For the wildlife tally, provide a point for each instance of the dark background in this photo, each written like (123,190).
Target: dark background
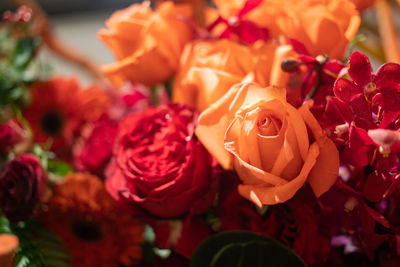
(54,7)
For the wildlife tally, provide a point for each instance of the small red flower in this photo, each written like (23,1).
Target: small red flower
(237,27)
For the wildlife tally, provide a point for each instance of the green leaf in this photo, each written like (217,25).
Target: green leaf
(58,167)
(4,225)
(243,248)
(24,51)
(38,246)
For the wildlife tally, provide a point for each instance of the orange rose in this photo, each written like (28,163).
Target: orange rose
(324,26)
(266,140)
(147,44)
(209,68)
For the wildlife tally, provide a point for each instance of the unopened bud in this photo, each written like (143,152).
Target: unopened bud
(8,16)
(290,65)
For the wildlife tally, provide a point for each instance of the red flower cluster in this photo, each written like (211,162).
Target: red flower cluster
(363,118)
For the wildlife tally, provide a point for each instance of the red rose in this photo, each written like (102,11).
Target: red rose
(93,151)
(22,182)
(159,166)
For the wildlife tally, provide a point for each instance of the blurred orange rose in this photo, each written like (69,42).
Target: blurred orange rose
(209,68)
(266,140)
(146,44)
(324,26)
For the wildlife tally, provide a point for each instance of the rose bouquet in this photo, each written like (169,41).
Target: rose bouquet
(237,133)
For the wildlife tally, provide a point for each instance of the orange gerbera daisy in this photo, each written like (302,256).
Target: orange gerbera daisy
(96,230)
(59,108)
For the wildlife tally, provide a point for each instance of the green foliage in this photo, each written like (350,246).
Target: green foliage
(18,64)
(242,248)
(38,246)
(58,167)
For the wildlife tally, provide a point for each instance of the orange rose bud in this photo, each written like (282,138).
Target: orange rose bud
(323,26)
(266,140)
(209,68)
(146,44)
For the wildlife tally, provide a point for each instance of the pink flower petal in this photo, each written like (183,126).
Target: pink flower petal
(384,137)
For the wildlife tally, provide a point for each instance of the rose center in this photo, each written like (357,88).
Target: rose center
(52,122)
(269,125)
(87,231)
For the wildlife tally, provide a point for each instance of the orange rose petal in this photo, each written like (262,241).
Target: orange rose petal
(278,77)
(137,66)
(300,130)
(255,175)
(251,94)
(284,157)
(212,125)
(270,146)
(120,47)
(247,138)
(326,169)
(215,84)
(270,195)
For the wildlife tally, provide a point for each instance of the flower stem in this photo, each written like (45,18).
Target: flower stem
(387,31)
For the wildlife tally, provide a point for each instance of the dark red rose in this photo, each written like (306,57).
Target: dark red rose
(22,182)
(10,134)
(93,151)
(295,223)
(159,166)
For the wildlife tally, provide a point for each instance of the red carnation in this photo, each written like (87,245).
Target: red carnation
(159,166)
(22,183)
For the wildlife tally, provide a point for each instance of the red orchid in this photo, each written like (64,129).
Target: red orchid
(246,30)
(366,102)
(365,85)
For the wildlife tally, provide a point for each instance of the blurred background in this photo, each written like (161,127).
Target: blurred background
(77,22)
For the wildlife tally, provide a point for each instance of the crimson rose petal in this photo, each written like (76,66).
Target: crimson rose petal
(22,183)
(158,165)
